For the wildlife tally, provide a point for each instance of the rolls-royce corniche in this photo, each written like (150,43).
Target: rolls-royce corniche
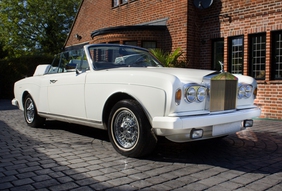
(126,91)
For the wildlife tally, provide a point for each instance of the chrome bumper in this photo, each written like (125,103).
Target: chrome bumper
(15,102)
(178,129)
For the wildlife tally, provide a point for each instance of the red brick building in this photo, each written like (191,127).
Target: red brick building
(245,34)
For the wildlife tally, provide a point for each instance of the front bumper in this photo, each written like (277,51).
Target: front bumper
(178,129)
(15,102)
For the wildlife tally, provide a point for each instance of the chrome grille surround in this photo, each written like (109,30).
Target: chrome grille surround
(222,94)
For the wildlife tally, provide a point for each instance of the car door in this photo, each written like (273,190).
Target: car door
(66,86)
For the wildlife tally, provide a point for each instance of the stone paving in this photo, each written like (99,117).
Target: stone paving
(64,156)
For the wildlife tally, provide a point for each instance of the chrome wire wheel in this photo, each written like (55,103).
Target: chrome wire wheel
(125,129)
(29,110)
(129,129)
(30,113)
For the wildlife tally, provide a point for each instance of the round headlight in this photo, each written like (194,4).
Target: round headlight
(191,94)
(241,92)
(248,91)
(201,94)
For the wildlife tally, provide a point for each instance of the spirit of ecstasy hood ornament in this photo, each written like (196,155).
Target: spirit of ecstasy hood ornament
(221,66)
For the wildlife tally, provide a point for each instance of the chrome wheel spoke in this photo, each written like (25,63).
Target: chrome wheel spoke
(126,129)
(29,111)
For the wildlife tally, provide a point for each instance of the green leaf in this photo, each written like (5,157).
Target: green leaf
(35,26)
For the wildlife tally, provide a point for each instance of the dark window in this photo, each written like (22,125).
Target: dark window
(236,52)
(217,53)
(149,44)
(277,55)
(114,42)
(132,43)
(257,55)
(116,3)
(124,1)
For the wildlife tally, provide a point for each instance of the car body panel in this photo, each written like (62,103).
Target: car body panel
(81,95)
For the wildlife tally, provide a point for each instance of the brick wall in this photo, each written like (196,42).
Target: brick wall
(270,100)
(97,14)
(192,30)
(229,18)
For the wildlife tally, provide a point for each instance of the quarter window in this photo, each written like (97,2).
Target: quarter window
(236,55)
(257,55)
(277,55)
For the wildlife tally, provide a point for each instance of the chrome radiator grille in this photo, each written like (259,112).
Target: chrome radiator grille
(223,92)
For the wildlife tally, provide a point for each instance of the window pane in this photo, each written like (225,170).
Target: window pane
(132,43)
(114,42)
(149,44)
(124,1)
(257,59)
(115,3)
(277,57)
(218,54)
(236,55)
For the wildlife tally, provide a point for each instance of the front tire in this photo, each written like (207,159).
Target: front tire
(30,113)
(129,129)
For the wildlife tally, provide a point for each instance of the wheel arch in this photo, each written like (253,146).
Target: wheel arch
(25,93)
(111,101)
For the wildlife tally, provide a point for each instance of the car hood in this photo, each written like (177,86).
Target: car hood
(183,74)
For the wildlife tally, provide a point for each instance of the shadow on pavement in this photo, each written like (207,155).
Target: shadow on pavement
(63,156)
(260,155)
(247,151)
(26,167)
(6,104)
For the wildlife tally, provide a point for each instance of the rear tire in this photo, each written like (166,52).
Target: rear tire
(30,113)
(129,129)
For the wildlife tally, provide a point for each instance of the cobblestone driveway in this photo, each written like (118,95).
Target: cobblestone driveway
(63,156)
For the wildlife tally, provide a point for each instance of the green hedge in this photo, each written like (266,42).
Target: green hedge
(12,70)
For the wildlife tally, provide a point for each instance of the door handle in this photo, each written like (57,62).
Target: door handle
(53,81)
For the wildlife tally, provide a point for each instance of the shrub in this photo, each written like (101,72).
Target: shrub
(169,59)
(14,69)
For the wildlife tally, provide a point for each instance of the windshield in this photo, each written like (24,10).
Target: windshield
(113,56)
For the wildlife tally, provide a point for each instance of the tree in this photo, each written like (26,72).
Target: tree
(35,26)
(3,53)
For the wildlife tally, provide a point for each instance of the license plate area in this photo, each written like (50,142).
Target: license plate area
(227,128)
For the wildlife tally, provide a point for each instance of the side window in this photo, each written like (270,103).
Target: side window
(55,64)
(69,61)
(82,64)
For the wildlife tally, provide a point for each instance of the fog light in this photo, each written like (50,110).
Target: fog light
(196,133)
(248,123)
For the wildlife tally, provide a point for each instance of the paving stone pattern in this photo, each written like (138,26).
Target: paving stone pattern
(62,156)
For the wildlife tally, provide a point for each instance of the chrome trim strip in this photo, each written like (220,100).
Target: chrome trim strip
(189,113)
(80,121)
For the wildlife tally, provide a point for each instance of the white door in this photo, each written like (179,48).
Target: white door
(66,94)
(66,84)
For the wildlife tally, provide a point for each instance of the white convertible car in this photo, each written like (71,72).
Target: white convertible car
(126,91)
